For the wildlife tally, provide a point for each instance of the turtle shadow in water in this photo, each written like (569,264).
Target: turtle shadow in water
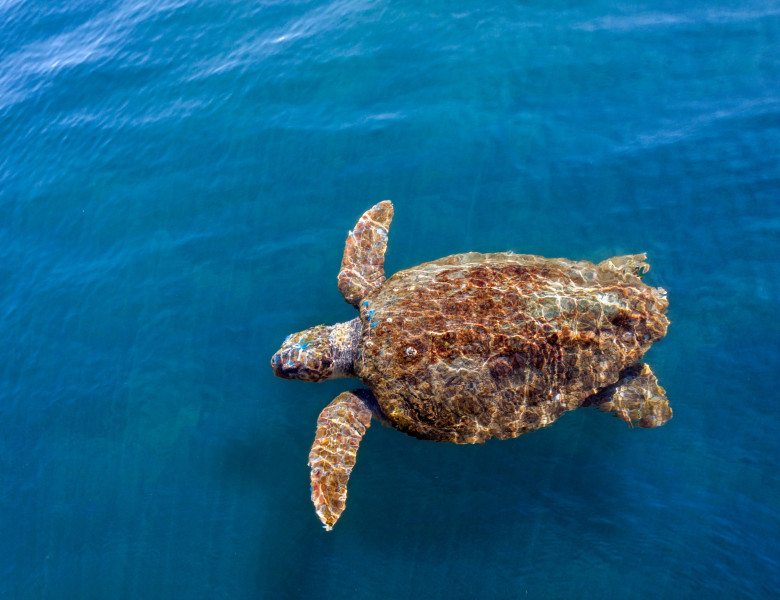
(430,507)
(493,491)
(244,462)
(258,465)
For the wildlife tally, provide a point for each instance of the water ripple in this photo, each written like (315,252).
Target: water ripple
(662,20)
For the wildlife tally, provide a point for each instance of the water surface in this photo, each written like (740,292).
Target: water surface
(176,183)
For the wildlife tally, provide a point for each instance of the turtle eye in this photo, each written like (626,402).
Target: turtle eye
(284,367)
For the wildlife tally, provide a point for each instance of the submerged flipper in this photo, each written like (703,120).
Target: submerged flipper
(363,265)
(340,427)
(636,398)
(631,263)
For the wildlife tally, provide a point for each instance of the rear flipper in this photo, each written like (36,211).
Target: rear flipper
(631,263)
(636,398)
(340,427)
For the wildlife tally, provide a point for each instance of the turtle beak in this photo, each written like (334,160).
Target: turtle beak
(283,367)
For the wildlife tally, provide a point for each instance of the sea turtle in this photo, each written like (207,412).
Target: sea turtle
(474,346)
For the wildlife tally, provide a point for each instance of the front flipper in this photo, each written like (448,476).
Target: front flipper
(363,265)
(340,427)
(636,398)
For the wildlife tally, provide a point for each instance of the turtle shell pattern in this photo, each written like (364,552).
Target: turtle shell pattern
(475,346)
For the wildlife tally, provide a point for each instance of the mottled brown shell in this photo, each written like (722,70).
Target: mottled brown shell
(475,346)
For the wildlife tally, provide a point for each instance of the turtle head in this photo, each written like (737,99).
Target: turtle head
(319,353)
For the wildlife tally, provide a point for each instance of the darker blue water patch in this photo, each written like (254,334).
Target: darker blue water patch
(176,184)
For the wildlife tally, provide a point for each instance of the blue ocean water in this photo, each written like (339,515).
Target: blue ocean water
(176,183)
